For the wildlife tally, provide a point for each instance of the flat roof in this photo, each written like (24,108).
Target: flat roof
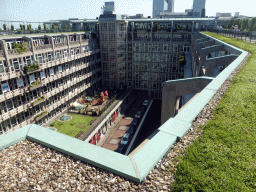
(37,35)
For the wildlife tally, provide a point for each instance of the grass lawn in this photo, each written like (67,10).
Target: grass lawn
(223,158)
(74,126)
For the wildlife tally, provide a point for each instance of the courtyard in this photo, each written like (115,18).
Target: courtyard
(77,124)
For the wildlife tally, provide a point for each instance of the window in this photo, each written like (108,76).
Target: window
(163,67)
(146,47)
(136,47)
(40,58)
(146,57)
(153,85)
(155,57)
(136,75)
(174,59)
(165,47)
(2,66)
(159,47)
(136,56)
(144,66)
(57,53)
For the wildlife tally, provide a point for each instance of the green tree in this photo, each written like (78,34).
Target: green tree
(4,26)
(28,27)
(246,25)
(252,26)
(58,25)
(12,27)
(239,24)
(21,27)
(66,27)
(53,27)
(45,27)
(24,27)
(231,23)
(39,27)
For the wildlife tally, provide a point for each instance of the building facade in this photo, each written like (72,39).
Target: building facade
(41,81)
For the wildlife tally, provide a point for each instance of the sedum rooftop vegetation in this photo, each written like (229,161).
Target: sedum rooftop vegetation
(223,158)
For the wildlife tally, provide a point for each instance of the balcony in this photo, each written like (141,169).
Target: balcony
(42,47)
(38,101)
(1,53)
(35,85)
(19,49)
(41,115)
(84,41)
(73,43)
(60,45)
(32,68)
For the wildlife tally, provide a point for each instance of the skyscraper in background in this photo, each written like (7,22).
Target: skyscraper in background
(160,6)
(171,6)
(199,8)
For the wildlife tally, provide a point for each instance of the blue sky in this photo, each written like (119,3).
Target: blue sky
(44,10)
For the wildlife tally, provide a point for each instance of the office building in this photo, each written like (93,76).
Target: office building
(117,53)
(199,8)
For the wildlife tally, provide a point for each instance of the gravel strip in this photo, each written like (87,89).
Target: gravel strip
(28,166)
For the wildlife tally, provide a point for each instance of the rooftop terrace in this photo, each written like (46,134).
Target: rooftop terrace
(138,166)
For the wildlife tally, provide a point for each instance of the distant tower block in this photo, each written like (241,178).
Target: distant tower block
(171,6)
(199,8)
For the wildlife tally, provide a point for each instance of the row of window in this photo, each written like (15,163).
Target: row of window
(155,57)
(153,76)
(175,48)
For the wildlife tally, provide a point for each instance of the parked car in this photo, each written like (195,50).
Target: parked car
(145,103)
(134,122)
(125,139)
(130,130)
(138,115)
(143,108)
(120,149)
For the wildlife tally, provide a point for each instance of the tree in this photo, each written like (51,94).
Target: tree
(253,22)
(231,23)
(53,27)
(66,27)
(12,27)
(24,27)
(239,24)
(21,27)
(39,27)
(45,27)
(246,25)
(58,25)
(4,26)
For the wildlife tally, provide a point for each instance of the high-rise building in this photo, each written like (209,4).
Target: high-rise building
(171,6)
(199,8)
(159,6)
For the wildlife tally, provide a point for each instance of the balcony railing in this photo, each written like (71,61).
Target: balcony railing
(74,43)
(41,47)
(60,45)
